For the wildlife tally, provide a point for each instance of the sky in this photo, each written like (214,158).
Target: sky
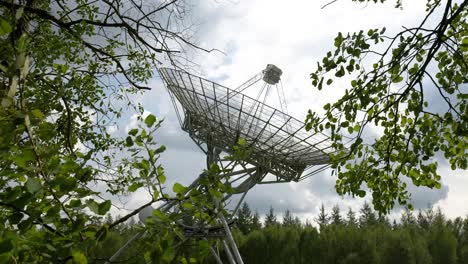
(293,35)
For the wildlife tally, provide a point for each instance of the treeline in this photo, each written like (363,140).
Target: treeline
(333,236)
(353,237)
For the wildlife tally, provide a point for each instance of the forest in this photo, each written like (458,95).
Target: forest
(424,236)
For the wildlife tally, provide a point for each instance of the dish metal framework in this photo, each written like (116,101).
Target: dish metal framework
(217,117)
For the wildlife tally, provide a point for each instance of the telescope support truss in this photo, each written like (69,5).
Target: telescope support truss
(216,118)
(241,176)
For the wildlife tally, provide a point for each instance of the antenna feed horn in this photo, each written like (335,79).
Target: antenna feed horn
(272,74)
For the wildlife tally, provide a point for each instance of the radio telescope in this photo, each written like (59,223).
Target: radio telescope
(217,117)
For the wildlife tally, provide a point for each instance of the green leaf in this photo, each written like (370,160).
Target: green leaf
(414,69)
(38,114)
(5,27)
(138,141)
(79,258)
(75,203)
(67,184)
(104,207)
(188,205)
(6,245)
(133,132)
(155,194)
(26,156)
(93,206)
(15,218)
(150,120)
(340,72)
(464,45)
(145,164)
(160,215)
(160,149)
(397,78)
(215,193)
(25,225)
(241,142)
(33,185)
(357,128)
(134,187)
(128,141)
(19,13)
(168,254)
(161,178)
(178,188)
(101,234)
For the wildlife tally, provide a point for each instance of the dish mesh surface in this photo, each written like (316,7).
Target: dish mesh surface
(216,114)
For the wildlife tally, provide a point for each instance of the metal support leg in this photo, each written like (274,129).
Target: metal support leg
(231,239)
(215,255)
(124,247)
(228,252)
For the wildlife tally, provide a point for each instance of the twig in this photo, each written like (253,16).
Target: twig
(329,3)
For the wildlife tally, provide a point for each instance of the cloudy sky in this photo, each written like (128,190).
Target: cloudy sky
(292,35)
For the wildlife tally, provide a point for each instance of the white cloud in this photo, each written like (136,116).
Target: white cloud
(133,122)
(293,35)
(112,129)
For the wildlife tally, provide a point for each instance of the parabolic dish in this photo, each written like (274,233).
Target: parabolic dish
(220,116)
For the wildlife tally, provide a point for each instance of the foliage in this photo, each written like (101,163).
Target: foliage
(367,215)
(377,243)
(442,241)
(322,219)
(270,218)
(335,216)
(68,72)
(410,87)
(351,216)
(244,218)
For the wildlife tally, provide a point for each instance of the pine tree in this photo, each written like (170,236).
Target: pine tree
(270,219)
(439,217)
(322,218)
(288,218)
(367,216)
(256,225)
(335,216)
(297,222)
(422,221)
(383,220)
(351,217)
(244,218)
(430,214)
(463,243)
(407,218)
(442,243)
